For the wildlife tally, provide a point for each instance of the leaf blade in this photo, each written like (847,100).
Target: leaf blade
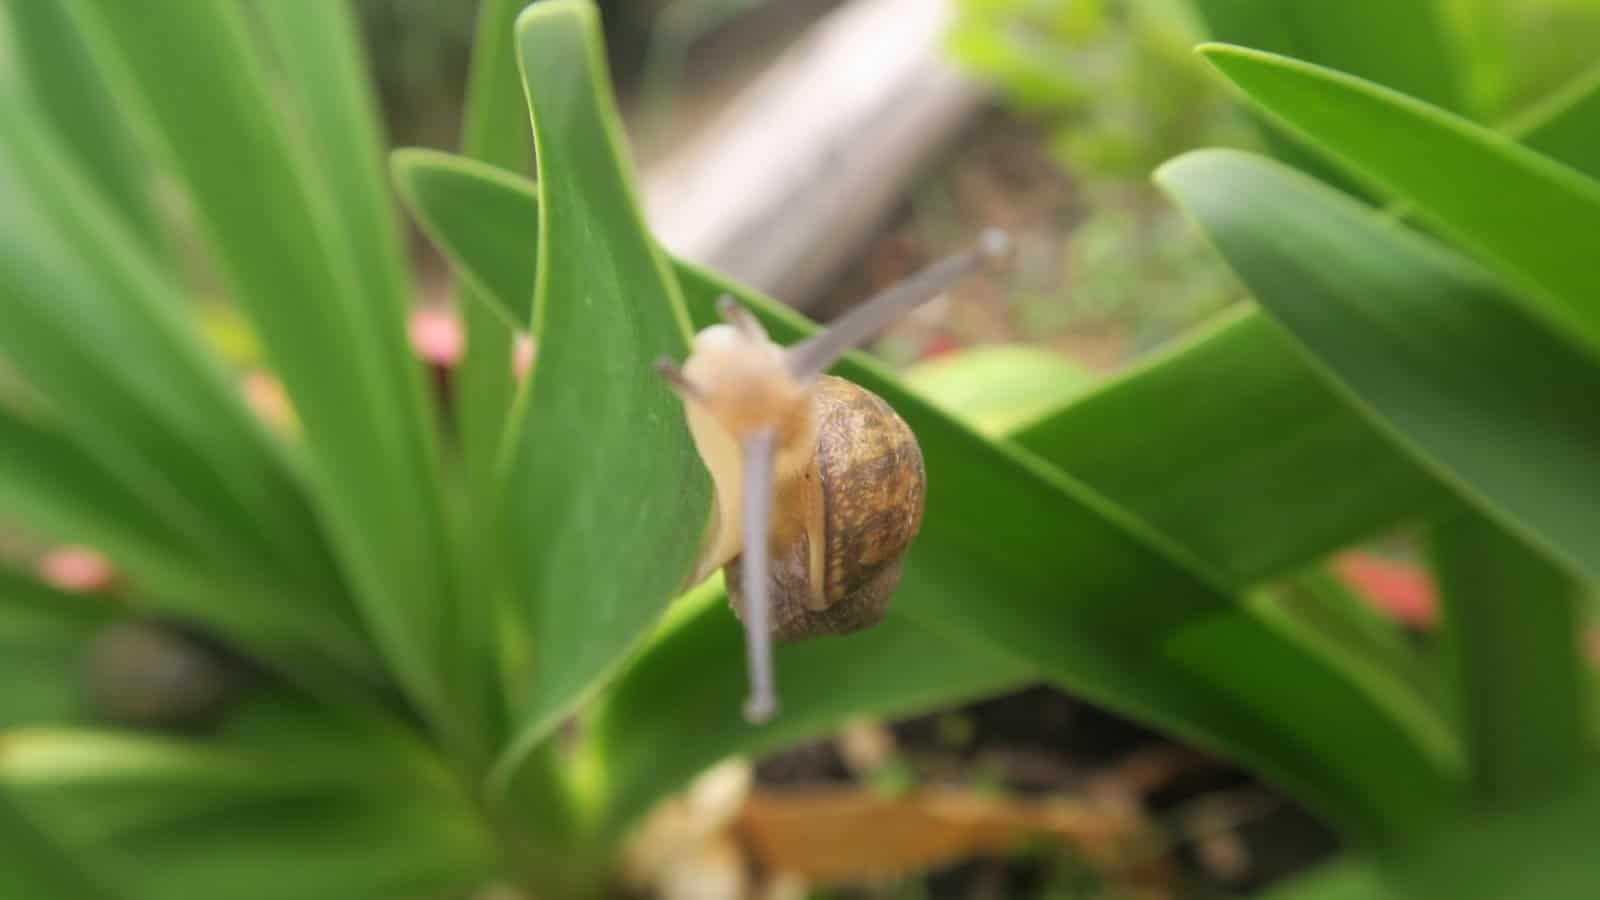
(1420,337)
(1356,123)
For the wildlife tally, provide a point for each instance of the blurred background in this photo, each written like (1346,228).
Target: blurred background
(1045,117)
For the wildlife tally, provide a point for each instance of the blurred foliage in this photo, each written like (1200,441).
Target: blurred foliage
(1116,88)
(419,631)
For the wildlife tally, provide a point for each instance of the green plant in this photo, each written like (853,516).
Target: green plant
(429,611)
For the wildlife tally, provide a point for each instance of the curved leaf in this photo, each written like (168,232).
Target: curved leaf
(69,93)
(1421,338)
(1404,46)
(1513,620)
(1532,219)
(217,816)
(341,351)
(1211,441)
(1566,126)
(125,388)
(604,495)
(43,637)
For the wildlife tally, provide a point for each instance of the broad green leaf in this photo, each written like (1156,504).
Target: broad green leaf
(1345,879)
(126,388)
(1543,848)
(33,866)
(68,94)
(998,389)
(43,636)
(1211,441)
(341,351)
(604,495)
(1566,126)
(676,710)
(169,816)
(1513,619)
(1530,218)
(1403,46)
(1091,637)
(1421,338)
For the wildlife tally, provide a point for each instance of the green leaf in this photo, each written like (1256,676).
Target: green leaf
(1062,619)
(169,816)
(1421,338)
(605,497)
(676,710)
(1513,619)
(484,219)
(1532,219)
(1210,441)
(494,129)
(998,389)
(1345,879)
(1566,125)
(1403,46)
(330,107)
(43,636)
(69,94)
(340,350)
(32,865)
(125,397)
(1319,602)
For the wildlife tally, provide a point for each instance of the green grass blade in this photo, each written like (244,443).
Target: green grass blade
(342,353)
(1513,620)
(68,92)
(1476,186)
(43,634)
(1421,338)
(605,497)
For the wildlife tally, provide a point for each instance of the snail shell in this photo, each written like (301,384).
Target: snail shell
(860,503)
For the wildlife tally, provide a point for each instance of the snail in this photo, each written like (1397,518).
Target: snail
(819,484)
(153,674)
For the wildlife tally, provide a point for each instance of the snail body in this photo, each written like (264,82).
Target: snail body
(819,484)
